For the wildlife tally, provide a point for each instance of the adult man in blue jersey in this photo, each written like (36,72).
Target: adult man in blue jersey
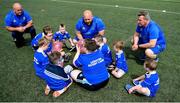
(88,26)
(19,22)
(148,36)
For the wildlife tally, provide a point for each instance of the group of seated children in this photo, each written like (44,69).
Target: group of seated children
(93,57)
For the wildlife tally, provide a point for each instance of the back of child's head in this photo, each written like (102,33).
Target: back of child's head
(54,57)
(151,64)
(90,45)
(99,38)
(118,44)
(42,41)
(47,29)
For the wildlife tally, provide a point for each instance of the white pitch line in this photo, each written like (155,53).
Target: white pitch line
(122,7)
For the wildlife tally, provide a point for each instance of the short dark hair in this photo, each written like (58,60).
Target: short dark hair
(47,29)
(90,45)
(151,64)
(54,56)
(145,14)
(119,44)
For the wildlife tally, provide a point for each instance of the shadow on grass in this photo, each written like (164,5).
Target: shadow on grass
(133,55)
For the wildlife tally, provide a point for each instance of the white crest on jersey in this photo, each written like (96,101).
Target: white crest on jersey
(14,20)
(83,28)
(24,18)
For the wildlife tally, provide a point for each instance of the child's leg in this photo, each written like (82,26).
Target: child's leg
(47,90)
(144,91)
(118,73)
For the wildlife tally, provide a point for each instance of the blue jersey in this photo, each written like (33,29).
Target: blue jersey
(151,82)
(61,36)
(89,31)
(13,20)
(151,31)
(121,61)
(36,39)
(40,62)
(106,53)
(55,77)
(93,67)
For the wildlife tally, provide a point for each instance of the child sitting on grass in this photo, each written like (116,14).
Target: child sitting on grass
(120,64)
(147,84)
(56,77)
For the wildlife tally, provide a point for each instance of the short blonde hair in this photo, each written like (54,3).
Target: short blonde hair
(118,44)
(151,64)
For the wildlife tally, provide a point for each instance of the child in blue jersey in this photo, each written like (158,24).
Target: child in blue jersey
(56,77)
(63,36)
(41,58)
(104,48)
(93,74)
(121,67)
(47,33)
(147,84)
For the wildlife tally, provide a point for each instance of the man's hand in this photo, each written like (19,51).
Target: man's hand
(134,47)
(20,29)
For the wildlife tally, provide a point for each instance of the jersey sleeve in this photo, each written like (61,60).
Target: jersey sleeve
(100,24)
(77,62)
(153,32)
(28,17)
(8,21)
(119,62)
(55,37)
(68,35)
(146,82)
(78,25)
(138,29)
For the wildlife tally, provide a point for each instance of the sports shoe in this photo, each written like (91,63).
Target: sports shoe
(136,82)
(127,87)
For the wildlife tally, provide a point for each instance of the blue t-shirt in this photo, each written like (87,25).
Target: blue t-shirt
(89,31)
(151,82)
(106,53)
(36,39)
(151,31)
(121,61)
(55,77)
(40,62)
(13,20)
(93,67)
(61,36)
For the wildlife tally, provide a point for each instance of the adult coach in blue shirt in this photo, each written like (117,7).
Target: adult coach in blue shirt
(19,22)
(88,26)
(148,36)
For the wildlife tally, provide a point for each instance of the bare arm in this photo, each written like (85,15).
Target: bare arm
(151,44)
(19,29)
(102,32)
(139,78)
(29,24)
(76,55)
(135,41)
(79,35)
